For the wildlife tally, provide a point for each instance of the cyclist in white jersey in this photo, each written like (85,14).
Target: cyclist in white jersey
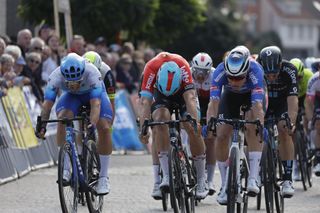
(202,72)
(81,84)
(312,107)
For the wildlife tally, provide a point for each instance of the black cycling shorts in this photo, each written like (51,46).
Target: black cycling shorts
(277,107)
(173,102)
(230,103)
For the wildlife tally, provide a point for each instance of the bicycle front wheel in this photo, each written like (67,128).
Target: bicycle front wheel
(91,170)
(232,189)
(68,190)
(177,196)
(268,177)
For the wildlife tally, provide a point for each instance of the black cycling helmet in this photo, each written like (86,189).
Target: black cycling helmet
(270,58)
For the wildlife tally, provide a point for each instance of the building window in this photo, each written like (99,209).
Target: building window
(310,31)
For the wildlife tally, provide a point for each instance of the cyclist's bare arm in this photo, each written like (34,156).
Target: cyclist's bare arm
(190,99)
(292,108)
(145,109)
(212,108)
(46,109)
(257,111)
(95,105)
(309,107)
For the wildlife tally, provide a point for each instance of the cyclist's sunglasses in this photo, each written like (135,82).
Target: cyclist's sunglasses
(236,78)
(73,83)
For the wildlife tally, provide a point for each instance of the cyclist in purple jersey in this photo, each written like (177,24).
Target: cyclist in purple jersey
(237,81)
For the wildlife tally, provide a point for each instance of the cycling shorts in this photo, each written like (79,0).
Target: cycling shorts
(73,102)
(277,107)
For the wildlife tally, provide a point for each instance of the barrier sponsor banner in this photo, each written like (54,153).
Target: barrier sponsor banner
(18,117)
(125,132)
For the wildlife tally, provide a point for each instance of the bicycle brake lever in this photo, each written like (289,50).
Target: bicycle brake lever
(144,129)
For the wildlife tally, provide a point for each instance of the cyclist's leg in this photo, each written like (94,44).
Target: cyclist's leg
(317,140)
(156,192)
(286,150)
(228,108)
(104,147)
(65,109)
(161,140)
(254,146)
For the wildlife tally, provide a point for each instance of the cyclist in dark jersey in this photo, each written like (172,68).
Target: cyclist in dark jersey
(281,78)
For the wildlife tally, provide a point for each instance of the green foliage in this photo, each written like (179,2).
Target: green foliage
(215,36)
(174,19)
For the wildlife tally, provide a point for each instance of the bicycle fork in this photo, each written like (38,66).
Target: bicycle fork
(76,167)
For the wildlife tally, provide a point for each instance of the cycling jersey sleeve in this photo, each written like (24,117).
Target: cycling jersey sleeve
(256,76)
(54,83)
(96,92)
(291,71)
(311,90)
(218,80)
(110,83)
(148,80)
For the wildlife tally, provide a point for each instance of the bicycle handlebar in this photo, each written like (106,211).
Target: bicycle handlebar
(235,123)
(147,123)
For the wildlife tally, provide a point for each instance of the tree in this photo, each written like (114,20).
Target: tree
(95,18)
(158,22)
(215,36)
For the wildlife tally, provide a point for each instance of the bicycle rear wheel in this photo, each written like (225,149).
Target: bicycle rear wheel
(91,170)
(268,177)
(68,191)
(190,188)
(301,159)
(177,196)
(278,171)
(232,189)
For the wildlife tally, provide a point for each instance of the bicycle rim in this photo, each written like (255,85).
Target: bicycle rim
(164,201)
(68,192)
(176,190)
(279,200)
(232,182)
(190,187)
(268,177)
(302,162)
(91,170)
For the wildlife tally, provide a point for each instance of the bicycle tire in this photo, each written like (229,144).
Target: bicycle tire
(91,171)
(259,199)
(279,200)
(66,205)
(190,187)
(268,177)
(301,158)
(175,177)
(244,174)
(232,189)
(164,201)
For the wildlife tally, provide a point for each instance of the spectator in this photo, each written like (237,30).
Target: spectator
(33,62)
(36,45)
(2,46)
(45,31)
(54,43)
(128,48)
(101,45)
(7,62)
(90,47)
(137,65)
(149,54)
(48,64)
(77,45)
(14,51)
(23,40)
(124,78)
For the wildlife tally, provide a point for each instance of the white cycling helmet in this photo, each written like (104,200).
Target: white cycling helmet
(93,58)
(201,65)
(237,61)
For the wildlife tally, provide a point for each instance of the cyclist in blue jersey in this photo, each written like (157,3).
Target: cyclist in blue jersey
(237,81)
(81,84)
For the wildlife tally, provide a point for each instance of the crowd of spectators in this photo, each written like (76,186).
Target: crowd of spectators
(30,60)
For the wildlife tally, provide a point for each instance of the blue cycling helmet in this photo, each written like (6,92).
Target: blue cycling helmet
(169,78)
(72,67)
(237,62)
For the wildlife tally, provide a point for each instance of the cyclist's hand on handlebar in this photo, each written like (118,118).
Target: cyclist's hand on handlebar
(40,129)
(204,131)
(144,138)
(91,128)
(41,133)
